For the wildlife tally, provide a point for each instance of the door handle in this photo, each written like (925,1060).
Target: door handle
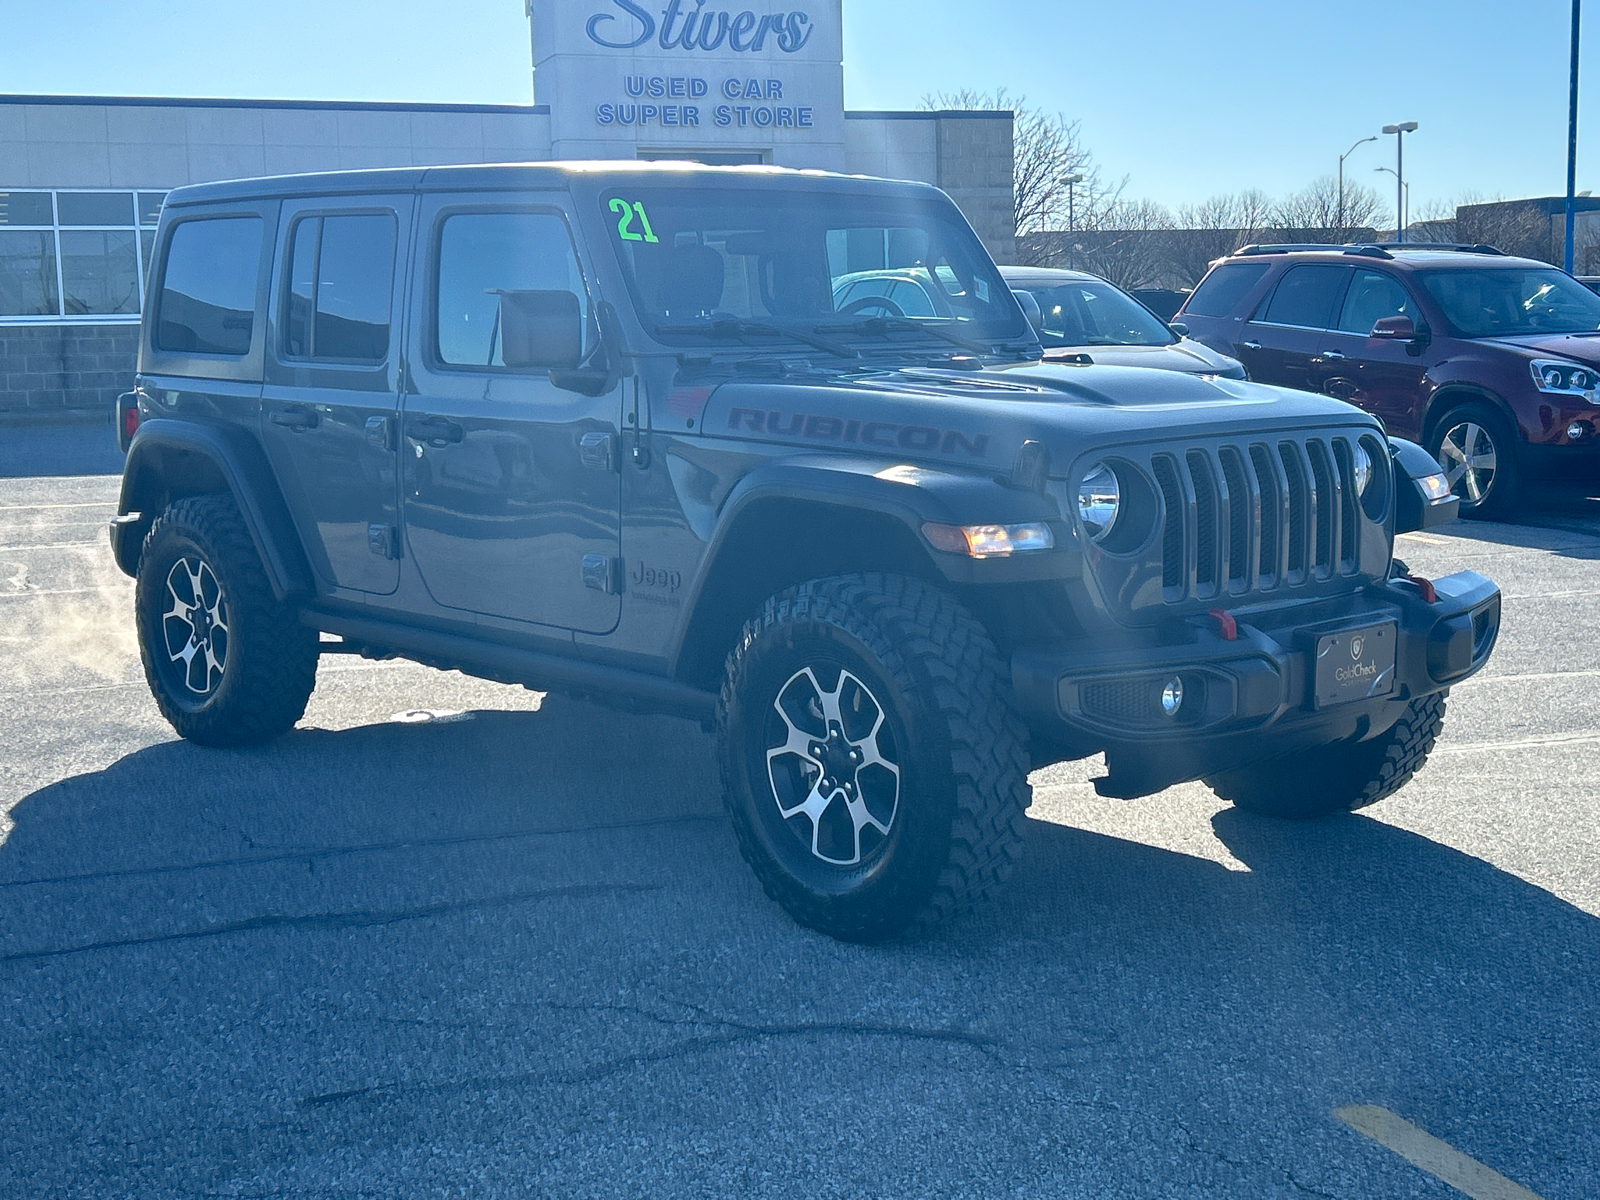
(1335,355)
(380,433)
(597,450)
(1249,345)
(296,418)
(435,431)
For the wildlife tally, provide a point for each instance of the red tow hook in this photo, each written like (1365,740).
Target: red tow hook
(1227,627)
(1425,586)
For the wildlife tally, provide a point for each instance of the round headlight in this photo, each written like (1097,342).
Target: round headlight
(1581,381)
(1363,469)
(1098,500)
(1553,378)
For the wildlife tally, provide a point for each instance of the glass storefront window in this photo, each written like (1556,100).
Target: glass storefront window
(28,273)
(75,255)
(99,272)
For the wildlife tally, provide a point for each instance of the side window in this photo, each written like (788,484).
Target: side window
(1305,296)
(1219,292)
(1373,296)
(341,280)
(483,256)
(208,290)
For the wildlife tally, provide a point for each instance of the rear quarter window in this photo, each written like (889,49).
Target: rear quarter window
(207,302)
(1221,291)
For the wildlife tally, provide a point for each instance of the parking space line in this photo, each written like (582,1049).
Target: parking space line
(53,546)
(1529,676)
(1427,1153)
(1530,743)
(84,504)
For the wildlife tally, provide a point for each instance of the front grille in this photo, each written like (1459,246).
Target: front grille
(1250,517)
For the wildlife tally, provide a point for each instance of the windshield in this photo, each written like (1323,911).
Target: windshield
(1095,313)
(1508,302)
(764,265)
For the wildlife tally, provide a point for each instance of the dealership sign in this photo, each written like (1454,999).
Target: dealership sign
(623,75)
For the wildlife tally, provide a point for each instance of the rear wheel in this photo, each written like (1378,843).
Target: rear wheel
(1478,450)
(873,766)
(1333,779)
(227,662)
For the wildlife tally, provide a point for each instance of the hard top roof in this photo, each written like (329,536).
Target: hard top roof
(496,176)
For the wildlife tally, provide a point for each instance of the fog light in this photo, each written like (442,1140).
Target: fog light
(1577,431)
(1172,696)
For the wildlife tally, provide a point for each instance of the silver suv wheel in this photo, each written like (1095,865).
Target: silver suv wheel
(195,625)
(1469,459)
(835,766)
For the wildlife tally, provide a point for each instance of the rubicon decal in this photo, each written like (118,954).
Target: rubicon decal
(886,435)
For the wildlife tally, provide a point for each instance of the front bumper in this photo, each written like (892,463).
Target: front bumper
(1256,690)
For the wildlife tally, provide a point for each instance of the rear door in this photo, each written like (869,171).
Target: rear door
(511,493)
(331,385)
(1282,342)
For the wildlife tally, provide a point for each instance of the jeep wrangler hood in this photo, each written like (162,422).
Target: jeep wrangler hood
(981,418)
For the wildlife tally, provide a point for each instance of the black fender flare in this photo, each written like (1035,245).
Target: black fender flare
(906,494)
(164,462)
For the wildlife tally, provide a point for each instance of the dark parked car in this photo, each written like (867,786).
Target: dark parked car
(1084,316)
(602,429)
(1492,362)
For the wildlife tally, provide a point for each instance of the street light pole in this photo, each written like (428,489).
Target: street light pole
(1400,132)
(1405,211)
(1572,141)
(1071,181)
(1344,156)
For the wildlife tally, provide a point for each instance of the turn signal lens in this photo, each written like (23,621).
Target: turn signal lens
(1434,487)
(989,541)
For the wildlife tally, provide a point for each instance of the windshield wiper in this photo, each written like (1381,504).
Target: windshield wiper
(882,325)
(739,327)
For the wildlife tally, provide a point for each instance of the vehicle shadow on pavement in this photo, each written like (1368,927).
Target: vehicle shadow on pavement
(519,953)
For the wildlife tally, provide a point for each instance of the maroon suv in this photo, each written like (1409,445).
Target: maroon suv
(1491,362)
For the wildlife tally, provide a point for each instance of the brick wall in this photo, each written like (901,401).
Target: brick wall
(65,369)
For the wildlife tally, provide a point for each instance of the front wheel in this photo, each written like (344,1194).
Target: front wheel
(1335,779)
(227,662)
(871,761)
(1478,450)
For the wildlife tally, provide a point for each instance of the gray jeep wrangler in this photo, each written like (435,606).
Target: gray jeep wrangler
(620,430)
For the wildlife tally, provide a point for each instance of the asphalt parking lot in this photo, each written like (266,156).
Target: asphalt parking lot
(454,938)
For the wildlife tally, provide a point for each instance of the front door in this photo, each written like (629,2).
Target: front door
(1382,376)
(511,495)
(330,383)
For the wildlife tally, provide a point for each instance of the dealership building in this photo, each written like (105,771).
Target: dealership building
(82,178)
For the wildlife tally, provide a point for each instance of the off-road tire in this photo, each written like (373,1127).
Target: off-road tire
(1306,785)
(270,663)
(945,693)
(1505,489)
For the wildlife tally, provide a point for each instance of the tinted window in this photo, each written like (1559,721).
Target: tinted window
(1305,296)
(1219,293)
(208,292)
(341,279)
(25,208)
(27,273)
(95,208)
(1373,296)
(481,256)
(1511,301)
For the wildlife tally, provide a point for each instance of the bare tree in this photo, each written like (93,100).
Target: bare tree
(1318,212)
(1046,150)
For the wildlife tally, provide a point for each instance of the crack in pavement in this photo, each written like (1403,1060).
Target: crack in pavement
(355,919)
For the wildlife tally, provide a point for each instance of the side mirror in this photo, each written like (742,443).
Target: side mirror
(541,329)
(1179,329)
(1031,310)
(1394,329)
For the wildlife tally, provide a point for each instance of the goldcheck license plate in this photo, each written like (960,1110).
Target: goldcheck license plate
(1355,664)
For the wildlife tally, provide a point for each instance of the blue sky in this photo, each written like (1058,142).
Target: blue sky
(1186,98)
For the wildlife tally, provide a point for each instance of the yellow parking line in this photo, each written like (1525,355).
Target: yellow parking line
(1426,1152)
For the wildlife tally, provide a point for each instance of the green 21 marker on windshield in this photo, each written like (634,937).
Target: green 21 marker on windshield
(626,213)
